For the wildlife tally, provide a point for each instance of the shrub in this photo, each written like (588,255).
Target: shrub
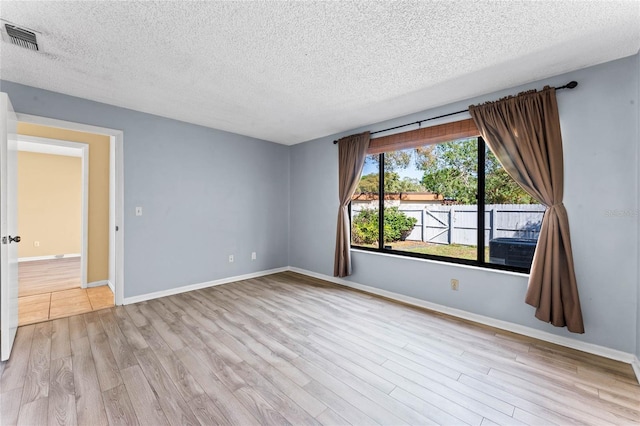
(364,226)
(397,226)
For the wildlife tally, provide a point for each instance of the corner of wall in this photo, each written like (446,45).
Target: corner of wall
(289,149)
(637,362)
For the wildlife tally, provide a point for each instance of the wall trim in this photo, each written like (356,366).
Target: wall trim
(481,319)
(111,286)
(98,283)
(41,145)
(444,263)
(191,287)
(635,364)
(48,257)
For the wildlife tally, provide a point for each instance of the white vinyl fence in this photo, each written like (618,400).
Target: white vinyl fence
(458,224)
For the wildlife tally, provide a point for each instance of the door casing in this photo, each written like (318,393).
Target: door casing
(9,228)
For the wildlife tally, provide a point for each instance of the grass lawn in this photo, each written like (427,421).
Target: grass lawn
(447,250)
(451,250)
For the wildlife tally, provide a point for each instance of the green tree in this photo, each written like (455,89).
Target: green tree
(451,170)
(369,184)
(392,160)
(500,188)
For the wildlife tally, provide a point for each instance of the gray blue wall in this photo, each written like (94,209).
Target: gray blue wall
(205,194)
(599,122)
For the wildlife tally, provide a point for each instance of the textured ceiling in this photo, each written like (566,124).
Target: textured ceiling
(293,71)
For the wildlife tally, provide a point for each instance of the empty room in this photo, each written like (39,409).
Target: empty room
(337,213)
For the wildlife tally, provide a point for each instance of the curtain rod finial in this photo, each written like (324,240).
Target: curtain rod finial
(570,85)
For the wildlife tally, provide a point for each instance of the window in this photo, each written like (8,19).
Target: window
(424,198)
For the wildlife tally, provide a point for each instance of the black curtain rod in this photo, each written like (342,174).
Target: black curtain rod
(570,85)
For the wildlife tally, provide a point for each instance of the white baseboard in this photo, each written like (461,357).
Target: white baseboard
(48,257)
(98,283)
(191,287)
(110,284)
(636,367)
(503,325)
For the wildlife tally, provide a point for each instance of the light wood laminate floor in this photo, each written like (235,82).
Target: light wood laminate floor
(50,275)
(288,349)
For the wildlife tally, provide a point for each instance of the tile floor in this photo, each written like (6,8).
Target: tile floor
(60,304)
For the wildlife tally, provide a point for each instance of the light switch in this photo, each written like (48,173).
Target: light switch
(138,211)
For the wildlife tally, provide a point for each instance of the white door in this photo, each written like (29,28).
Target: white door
(8,227)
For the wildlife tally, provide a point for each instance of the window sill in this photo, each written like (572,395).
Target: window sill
(440,262)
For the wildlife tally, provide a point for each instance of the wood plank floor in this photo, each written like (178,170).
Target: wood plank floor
(50,275)
(288,349)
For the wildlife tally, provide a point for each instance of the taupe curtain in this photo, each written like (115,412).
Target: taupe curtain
(352,151)
(524,134)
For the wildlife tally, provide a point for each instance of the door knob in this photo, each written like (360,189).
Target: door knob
(15,239)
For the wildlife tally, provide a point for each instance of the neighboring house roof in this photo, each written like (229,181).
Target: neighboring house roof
(402,196)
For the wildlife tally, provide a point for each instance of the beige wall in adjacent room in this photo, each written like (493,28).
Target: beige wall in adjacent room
(98,249)
(49,204)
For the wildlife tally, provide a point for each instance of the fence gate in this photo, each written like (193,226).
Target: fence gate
(436,226)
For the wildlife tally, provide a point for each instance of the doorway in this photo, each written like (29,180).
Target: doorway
(8,214)
(53,207)
(98,273)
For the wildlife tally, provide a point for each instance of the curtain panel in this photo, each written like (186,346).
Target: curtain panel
(352,151)
(524,134)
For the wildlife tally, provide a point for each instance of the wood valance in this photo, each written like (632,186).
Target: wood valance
(424,136)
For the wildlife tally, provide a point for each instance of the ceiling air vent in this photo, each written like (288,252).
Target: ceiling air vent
(21,37)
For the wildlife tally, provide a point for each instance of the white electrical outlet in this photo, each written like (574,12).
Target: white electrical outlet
(253,256)
(230,258)
(138,211)
(36,243)
(455,284)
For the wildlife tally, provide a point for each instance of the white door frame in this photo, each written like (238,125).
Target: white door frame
(116,193)
(76,149)
(8,216)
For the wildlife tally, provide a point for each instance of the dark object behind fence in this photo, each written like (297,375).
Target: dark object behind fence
(512,251)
